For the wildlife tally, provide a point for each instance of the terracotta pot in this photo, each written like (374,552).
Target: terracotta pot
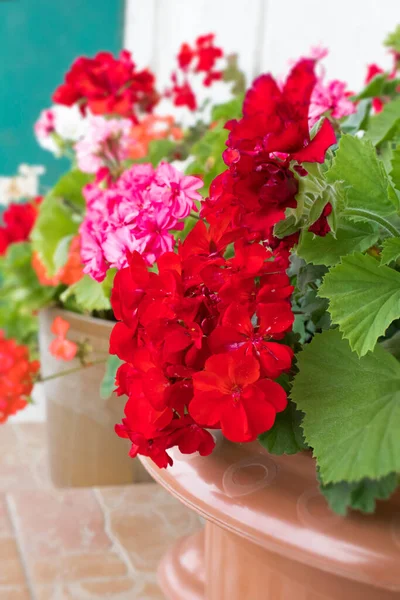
(83,447)
(270,534)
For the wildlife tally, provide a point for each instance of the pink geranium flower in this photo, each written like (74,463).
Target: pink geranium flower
(138,212)
(106,143)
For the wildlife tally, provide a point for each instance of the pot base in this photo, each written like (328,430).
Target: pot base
(181,573)
(217,565)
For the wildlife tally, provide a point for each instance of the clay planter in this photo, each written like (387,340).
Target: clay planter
(83,447)
(270,535)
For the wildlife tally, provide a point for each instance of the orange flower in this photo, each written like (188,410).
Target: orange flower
(17,374)
(152,128)
(60,347)
(69,274)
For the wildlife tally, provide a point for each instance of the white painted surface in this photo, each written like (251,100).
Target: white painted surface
(266,33)
(35,412)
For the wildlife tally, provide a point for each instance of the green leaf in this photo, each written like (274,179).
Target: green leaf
(228,110)
(89,295)
(286,227)
(70,186)
(361,496)
(393,39)
(286,436)
(61,253)
(20,288)
(364,298)
(392,345)
(328,250)
(108,384)
(161,150)
(390,250)
(234,74)
(358,120)
(395,171)
(386,124)
(207,152)
(374,88)
(364,176)
(351,408)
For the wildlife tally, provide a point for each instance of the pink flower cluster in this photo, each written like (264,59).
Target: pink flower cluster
(136,213)
(105,143)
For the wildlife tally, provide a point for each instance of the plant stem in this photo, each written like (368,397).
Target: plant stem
(41,379)
(371,216)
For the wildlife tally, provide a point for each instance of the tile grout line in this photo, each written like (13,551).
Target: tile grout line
(12,514)
(119,548)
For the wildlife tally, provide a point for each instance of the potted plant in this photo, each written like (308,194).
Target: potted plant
(57,275)
(276,322)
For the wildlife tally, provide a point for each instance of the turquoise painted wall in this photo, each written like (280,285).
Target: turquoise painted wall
(39,39)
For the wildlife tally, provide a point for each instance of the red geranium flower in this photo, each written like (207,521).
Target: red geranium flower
(17,375)
(19,220)
(229,393)
(107,85)
(237,331)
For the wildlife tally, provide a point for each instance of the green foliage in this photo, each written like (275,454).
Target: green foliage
(365,180)
(161,150)
(235,75)
(286,436)
(228,110)
(328,250)
(386,124)
(89,295)
(393,39)
(395,168)
(390,250)
(61,253)
(358,120)
(364,298)
(59,217)
(392,345)
(361,496)
(21,289)
(208,162)
(108,383)
(351,409)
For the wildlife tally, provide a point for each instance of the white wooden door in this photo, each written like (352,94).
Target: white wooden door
(267,34)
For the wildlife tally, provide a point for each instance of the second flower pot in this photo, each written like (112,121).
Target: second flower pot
(83,447)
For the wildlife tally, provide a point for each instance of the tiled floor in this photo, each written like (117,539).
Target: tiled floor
(78,544)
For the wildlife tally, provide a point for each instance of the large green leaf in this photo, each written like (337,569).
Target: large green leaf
(364,298)
(364,177)
(361,495)
(351,407)
(59,217)
(328,250)
(390,250)
(395,170)
(89,294)
(386,124)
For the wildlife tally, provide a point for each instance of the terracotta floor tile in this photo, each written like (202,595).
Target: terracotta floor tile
(11,571)
(15,593)
(14,470)
(140,520)
(76,567)
(124,588)
(59,522)
(5,524)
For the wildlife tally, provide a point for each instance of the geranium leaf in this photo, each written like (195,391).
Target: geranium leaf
(364,177)
(361,496)
(328,250)
(390,250)
(89,295)
(364,298)
(108,383)
(386,124)
(286,436)
(351,408)
(393,39)
(70,186)
(395,171)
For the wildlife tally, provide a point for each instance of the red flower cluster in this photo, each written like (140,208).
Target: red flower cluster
(200,59)
(108,85)
(203,339)
(259,185)
(194,357)
(18,222)
(16,377)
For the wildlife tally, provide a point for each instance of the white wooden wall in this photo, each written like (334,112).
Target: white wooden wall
(266,33)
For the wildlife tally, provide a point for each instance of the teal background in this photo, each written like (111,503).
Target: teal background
(39,39)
